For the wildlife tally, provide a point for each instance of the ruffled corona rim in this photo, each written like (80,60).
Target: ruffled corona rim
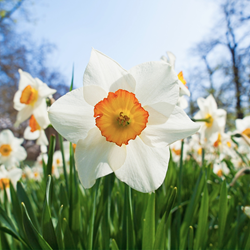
(120,117)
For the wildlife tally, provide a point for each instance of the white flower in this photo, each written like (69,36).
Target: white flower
(35,130)
(30,98)
(123,121)
(243,128)
(181,81)
(220,168)
(11,151)
(216,117)
(6,177)
(176,151)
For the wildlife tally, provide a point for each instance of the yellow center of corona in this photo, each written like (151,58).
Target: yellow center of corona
(181,78)
(5,150)
(220,173)
(218,142)
(4,182)
(210,120)
(120,117)
(246,132)
(34,124)
(176,151)
(29,96)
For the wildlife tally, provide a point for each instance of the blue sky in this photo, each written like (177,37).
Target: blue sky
(129,31)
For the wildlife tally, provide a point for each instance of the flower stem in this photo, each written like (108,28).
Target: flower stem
(179,193)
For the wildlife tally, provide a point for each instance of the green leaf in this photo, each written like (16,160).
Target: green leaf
(64,163)
(72,80)
(128,240)
(59,230)
(35,240)
(222,213)
(92,222)
(23,197)
(160,237)
(201,232)
(190,238)
(48,231)
(7,223)
(17,212)
(68,238)
(190,211)
(148,236)
(113,245)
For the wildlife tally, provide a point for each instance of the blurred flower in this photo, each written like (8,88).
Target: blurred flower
(35,130)
(181,81)
(122,121)
(30,98)
(11,151)
(6,177)
(221,169)
(216,118)
(243,128)
(176,151)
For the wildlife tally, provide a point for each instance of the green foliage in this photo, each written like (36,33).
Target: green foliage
(48,215)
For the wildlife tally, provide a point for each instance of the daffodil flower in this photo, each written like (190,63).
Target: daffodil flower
(123,121)
(243,128)
(220,168)
(35,131)
(176,151)
(11,151)
(31,98)
(215,118)
(181,81)
(6,177)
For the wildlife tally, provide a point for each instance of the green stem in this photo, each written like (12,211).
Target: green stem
(92,222)
(179,194)
(201,120)
(64,163)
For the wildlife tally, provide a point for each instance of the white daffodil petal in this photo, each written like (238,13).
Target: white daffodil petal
(221,117)
(172,59)
(183,89)
(28,135)
(23,114)
(164,59)
(91,156)
(19,153)
(42,140)
(145,167)
(211,103)
(17,104)
(177,127)
(71,111)
(6,137)
(182,102)
(44,90)
(15,174)
(210,130)
(155,82)
(201,103)
(94,94)
(102,71)
(25,79)
(159,112)
(126,82)
(240,125)
(117,156)
(41,114)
